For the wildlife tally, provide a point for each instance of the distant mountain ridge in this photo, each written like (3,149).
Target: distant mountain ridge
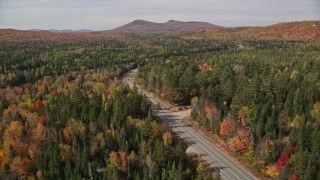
(61,31)
(303,30)
(27,35)
(142,26)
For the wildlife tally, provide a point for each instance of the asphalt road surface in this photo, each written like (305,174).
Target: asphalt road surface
(228,168)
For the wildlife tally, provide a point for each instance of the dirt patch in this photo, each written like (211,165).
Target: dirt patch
(187,121)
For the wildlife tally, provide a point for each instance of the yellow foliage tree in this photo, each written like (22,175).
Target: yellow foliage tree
(294,74)
(155,129)
(167,138)
(100,139)
(30,117)
(30,104)
(315,112)
(39,133)
(243,113)
(202,168)
(77,127)
(297,121)
(114,160)
(272,171)
(65,151)
(194,101)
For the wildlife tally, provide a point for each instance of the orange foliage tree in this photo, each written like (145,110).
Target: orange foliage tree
(239,143)
(4,158)
(225,127)
(14,131)
(67,134)
(122,157)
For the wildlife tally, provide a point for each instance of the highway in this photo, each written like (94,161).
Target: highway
(228,168)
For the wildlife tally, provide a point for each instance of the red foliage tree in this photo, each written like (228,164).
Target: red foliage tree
(293,177)
(54,92)
(214,113)
(26,86)
(38,86)
(41,119)
(283,159)
(202,88)
(38,104)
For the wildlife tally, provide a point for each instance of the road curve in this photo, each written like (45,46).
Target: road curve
(228,168)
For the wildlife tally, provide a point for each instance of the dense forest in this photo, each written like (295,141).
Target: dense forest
(262,98)
(65,113)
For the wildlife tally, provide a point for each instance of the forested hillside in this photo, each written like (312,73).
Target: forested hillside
(262,99)
(66,115)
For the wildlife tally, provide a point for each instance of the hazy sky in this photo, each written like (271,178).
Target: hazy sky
(108,14)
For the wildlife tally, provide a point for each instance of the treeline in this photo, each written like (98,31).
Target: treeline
(28,61)
(23,62)
(262,98)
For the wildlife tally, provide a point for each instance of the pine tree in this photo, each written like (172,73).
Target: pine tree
(307,174)
(316,141)
(179,175)
(67,170)
(147,127)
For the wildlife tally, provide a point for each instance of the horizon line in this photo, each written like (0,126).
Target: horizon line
(91,30)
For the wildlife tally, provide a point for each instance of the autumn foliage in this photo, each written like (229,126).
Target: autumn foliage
(123,159)
(239,143)
(283,159)
(38,104)
(66,115)
(272,171)
(225,127)
(4,158)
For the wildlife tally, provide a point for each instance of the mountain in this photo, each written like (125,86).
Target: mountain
(23,35)
(142,26)
(61,31)
(303,30)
